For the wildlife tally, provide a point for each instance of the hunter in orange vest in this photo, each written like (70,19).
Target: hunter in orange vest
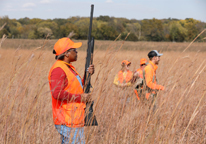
(138,76)
(143,63)
(150,75)
(124,76)
(68,98)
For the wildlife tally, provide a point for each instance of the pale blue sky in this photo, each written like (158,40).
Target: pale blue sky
(137,9)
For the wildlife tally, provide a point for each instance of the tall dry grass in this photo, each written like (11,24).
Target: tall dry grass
(180,116)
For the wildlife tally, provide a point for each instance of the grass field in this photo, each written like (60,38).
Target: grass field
(180,117)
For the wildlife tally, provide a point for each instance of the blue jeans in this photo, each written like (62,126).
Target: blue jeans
(71,135)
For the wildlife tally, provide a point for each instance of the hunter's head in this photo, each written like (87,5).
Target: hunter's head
(143,63)
(125,65)
(154,56)
(65,49)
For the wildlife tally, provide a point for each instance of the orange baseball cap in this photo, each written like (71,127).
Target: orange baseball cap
(143,61)
(65,44)
(126,62)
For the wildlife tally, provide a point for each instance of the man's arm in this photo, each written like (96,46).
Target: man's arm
(149,78)
(58,83)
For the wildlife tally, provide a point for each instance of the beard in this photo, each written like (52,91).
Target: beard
(157,62)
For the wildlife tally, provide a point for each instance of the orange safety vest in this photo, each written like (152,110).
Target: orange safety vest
(68,113)
(121,77)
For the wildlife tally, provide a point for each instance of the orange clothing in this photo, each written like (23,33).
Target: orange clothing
(136,92)
(123,77)
(140,71)
(66,112)
(150,78)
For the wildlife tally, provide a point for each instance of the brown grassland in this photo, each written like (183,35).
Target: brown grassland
(180,116)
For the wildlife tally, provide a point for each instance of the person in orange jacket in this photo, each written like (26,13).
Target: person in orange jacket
(124,76)
(139,72)
(138,76)
(68,98)
(150,75)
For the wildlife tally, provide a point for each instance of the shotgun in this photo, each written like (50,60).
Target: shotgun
(90,118)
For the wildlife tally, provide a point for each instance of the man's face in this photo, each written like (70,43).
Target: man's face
(143,66)
(72,54)
(157,59)
(127,67)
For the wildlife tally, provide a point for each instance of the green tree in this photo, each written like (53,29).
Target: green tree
(35,21)
(67,28)
(200,27)
(190,25)
(6,29)
(153,30)
(135,31)
(32,35)
(83,27)
(106,32)
(166,31)
(177,32)
(43,32)
(24,21)
(25,30)
(50,25)
(103,18)
(60,21)
(14,32)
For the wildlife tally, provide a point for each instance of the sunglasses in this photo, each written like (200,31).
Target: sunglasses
(72,49)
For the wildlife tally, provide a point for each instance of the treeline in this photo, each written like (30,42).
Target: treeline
(104,28)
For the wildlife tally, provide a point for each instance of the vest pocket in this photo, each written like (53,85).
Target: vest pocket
(74,114)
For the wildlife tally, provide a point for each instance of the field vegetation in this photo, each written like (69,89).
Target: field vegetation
(180,117)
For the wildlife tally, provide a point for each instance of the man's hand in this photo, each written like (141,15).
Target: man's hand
(86,97)
(91,69)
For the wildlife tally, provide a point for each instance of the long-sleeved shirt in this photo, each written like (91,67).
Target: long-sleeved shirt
(150,75)
(59,82)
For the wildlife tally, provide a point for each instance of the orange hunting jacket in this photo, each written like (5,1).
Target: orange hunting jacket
(150,78)
(65,112)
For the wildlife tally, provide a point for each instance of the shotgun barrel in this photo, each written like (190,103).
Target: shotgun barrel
(90,119)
